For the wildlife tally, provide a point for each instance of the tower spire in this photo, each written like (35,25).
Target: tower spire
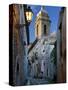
(42,25)
(42,8)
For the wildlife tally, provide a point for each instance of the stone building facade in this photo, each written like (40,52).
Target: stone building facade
(40,58)
(17,46)
(41,49)
(61,47)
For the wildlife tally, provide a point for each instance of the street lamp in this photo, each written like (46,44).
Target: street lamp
(28,18)
(28,14)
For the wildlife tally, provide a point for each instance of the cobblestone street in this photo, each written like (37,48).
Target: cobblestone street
(34,81)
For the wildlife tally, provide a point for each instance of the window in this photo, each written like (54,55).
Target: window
(37,30)
(43,50)
(45,29)
(47,71)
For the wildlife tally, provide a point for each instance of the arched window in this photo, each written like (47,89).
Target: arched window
(45,29)
(37,30)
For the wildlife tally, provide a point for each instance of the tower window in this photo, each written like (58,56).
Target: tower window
(45,29)
(37,30)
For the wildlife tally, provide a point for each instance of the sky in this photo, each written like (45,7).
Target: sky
(53,12)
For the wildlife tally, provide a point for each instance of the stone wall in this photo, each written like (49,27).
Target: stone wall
(18,49)
(61,47)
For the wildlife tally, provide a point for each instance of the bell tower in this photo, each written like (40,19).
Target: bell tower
(42,24)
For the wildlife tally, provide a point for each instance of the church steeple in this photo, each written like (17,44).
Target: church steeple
(42,24)
(42,8)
